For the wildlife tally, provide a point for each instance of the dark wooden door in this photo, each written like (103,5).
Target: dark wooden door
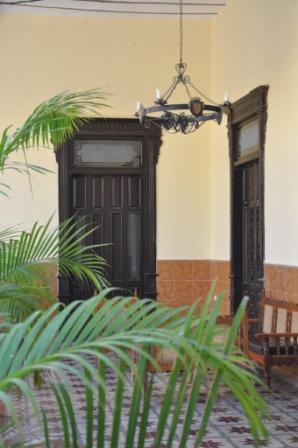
(248,237)
(107,181)
(113,204)
(247,122)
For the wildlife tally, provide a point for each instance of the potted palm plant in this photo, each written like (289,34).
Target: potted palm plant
(26,257)
(97,336)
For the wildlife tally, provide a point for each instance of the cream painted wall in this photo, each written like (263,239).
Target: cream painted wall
(256,42)
(251,42)
(43,55)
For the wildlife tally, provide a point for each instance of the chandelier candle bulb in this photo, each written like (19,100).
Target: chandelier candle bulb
(226,97)
(157,94)
(138,106)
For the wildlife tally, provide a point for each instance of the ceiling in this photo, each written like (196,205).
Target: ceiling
(199,9)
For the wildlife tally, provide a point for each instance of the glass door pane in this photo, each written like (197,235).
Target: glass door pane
(248,138)
(107,153)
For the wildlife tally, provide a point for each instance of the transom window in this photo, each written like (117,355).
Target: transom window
(248,138)
(107,153)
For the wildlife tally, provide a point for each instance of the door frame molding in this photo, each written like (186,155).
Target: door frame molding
(253,105)
(122,128)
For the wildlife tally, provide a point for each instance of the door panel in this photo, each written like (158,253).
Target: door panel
(97,192)
(79,196)
(134,246)
(134,191)
(117,191)
(250,256)
(117,274)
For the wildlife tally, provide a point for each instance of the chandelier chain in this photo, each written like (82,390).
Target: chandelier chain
(187,90)
(202,94)
(169,91)
(181,31)
(182,117)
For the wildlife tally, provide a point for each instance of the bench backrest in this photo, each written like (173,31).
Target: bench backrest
(278,316)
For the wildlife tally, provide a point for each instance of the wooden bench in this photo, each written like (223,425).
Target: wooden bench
(272,339)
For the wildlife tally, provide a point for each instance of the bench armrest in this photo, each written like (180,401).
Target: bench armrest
(253,321)
(276,335)
(246,322)
(225,320)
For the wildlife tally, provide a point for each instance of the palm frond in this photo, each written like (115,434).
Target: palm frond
(53,121)
(19,301)
(4,188)
(50,124)
(25,167)
(85,339)
(25,263)
(8,233)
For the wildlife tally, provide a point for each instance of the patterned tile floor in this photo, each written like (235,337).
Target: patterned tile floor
(227,427)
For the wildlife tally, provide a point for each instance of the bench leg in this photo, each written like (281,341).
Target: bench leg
(267,372)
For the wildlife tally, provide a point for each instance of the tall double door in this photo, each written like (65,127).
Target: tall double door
(247,128)
(107,181)
(112,205)
(249,265)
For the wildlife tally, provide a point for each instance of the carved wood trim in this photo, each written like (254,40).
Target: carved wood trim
(252,104)
(124,126)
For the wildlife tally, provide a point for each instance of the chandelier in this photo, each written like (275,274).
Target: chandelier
(182,117)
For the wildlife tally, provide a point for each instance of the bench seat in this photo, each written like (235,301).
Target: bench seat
(272,339)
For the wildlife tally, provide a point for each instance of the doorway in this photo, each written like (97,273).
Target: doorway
(247,123)
(107,179)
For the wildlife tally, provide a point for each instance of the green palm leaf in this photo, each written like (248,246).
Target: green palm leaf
(25,263)
(50,124)
(87,338)
(7,233)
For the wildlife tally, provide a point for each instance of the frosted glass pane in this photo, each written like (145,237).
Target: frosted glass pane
(248,138)
(108,153)
(133,243)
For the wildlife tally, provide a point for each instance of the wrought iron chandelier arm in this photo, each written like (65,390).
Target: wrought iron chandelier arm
(165,108)
(181,106)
